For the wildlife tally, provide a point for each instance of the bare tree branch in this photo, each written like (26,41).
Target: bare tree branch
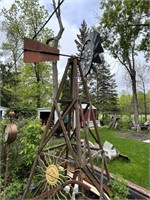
(61,28)
(55,44)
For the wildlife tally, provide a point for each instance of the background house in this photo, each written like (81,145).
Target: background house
(3,111)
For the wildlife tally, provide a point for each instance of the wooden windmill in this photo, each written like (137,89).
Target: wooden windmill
(71,155)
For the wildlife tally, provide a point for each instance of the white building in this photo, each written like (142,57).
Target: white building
(3,111)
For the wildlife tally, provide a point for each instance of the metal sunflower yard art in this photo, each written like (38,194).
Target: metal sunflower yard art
(50,178)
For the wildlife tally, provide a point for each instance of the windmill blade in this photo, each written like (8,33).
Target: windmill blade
(35,51)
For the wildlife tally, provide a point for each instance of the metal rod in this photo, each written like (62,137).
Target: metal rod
(7,165)
(57,54)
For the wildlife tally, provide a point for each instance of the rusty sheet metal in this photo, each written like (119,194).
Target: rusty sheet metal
(35,51)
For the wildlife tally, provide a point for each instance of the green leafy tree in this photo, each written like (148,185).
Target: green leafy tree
(120,38)
(143,84)
(142,97)
(7,84)
(26,18)
(35,93)
(148,102)
(102,87)
(125,104)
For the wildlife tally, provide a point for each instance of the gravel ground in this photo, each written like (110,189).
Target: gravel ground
(137,136)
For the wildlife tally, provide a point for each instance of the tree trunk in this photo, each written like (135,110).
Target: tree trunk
(55,79)
(55,44)
(38,96)
(135,99)
(144,96)
(145,105)
(143,77)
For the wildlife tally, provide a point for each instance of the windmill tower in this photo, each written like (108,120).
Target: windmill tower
(70,160)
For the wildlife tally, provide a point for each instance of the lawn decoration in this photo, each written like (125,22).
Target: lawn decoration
(110,150)
(68,153)
(10,133)
(52,174)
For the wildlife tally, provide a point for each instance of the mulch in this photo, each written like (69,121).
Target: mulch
(136,136)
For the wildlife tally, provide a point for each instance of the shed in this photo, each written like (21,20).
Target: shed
(3,111)
(43,114)
(86,114)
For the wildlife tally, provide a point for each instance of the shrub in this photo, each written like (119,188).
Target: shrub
(118,188)
(31,134)
(22,153)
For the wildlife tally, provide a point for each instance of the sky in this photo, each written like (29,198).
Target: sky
(73,12)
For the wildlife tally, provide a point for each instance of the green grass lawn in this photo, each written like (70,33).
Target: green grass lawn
(137,169)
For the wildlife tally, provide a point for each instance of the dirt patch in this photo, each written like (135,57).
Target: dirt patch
(136,136)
